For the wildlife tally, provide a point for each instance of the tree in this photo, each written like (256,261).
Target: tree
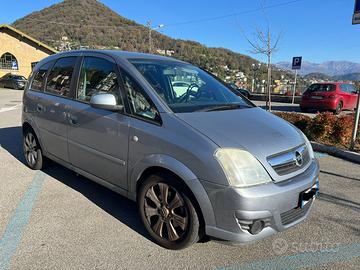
(263,44)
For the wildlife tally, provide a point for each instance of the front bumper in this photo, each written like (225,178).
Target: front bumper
(276,204)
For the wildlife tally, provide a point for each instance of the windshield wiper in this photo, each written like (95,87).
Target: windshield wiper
(222,107)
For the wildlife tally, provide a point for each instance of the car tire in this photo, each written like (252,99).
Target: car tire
(339,108)
(32,151)
(15,87)
(167,212)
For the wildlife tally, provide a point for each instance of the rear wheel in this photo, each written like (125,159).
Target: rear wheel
(339,108)
(167,212)
(32,150)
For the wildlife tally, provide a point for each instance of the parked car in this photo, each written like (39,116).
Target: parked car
(236,90)
(207,162)
(13,81)
(333,96)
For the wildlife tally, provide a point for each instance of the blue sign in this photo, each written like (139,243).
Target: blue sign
(357,6)
(14,65)
(296,63)
(356,17)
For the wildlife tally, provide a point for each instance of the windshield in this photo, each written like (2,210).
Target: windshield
(186,88)
(322,88)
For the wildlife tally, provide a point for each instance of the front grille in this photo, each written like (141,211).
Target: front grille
(286,162)
(295,214)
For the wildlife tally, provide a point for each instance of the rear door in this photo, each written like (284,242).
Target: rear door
(354,96)
(98,138)
(52,107)
(344,91)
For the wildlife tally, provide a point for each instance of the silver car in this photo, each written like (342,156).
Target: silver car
(205,163)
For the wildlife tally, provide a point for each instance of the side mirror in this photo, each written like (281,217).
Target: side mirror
(105,101)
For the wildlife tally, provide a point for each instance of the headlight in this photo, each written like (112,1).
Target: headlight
(308,145)
(241,168)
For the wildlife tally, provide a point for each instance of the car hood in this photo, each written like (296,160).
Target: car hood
(255,130)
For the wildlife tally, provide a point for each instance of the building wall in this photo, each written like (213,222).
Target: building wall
(24,51)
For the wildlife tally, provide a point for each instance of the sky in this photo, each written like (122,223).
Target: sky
(318,30)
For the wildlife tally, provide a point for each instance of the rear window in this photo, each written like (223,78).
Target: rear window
(58,81)
(322,88)
(38,82)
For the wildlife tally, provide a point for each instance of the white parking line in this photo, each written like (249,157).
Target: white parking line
(9,109)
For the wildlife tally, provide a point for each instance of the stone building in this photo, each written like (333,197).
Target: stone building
(19,52)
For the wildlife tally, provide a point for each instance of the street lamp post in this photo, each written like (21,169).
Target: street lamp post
(150,32)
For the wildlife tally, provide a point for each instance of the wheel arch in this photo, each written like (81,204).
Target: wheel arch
(179,171)
(27,125)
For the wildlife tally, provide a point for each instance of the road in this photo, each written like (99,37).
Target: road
(55,219)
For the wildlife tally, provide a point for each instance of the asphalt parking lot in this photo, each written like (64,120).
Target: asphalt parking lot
(54,219)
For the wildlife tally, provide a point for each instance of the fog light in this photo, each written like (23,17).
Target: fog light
(256,227)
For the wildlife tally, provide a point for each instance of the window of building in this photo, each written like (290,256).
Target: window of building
(8,61)
(38,82)
(140,103)
(97,76)
(59,79)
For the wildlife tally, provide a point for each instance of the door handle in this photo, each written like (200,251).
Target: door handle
(73,120)
(39,108)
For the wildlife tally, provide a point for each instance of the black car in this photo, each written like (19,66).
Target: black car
(236,90)
(13,81)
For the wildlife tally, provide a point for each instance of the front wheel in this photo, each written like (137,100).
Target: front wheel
(32,150)
(167,212)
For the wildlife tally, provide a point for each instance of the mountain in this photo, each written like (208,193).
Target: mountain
(348,77)
(330,68)
(89,23)
(318,76)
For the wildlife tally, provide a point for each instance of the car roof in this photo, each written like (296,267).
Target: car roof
(337,83)
(115,53)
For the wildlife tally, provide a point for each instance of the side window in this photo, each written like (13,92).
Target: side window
(343,88)
(97,76)
(38,82)
(140,103)
(59,79)
(351,88)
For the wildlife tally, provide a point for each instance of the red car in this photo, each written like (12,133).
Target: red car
(334,96)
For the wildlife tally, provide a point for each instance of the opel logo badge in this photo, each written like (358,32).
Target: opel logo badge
(298,159)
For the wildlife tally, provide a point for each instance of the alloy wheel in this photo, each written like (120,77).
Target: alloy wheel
(31,149)
(166,212)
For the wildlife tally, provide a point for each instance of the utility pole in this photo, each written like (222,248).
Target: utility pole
(148,24)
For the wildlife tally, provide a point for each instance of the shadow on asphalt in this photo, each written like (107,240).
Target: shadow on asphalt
(339,175)
(114,204)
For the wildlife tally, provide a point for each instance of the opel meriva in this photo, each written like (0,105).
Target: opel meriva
(198,159)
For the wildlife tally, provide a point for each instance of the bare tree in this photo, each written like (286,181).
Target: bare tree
(264,44)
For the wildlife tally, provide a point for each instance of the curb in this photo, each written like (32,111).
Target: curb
(334,151)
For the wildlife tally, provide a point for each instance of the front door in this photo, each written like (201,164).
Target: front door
(97,138)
